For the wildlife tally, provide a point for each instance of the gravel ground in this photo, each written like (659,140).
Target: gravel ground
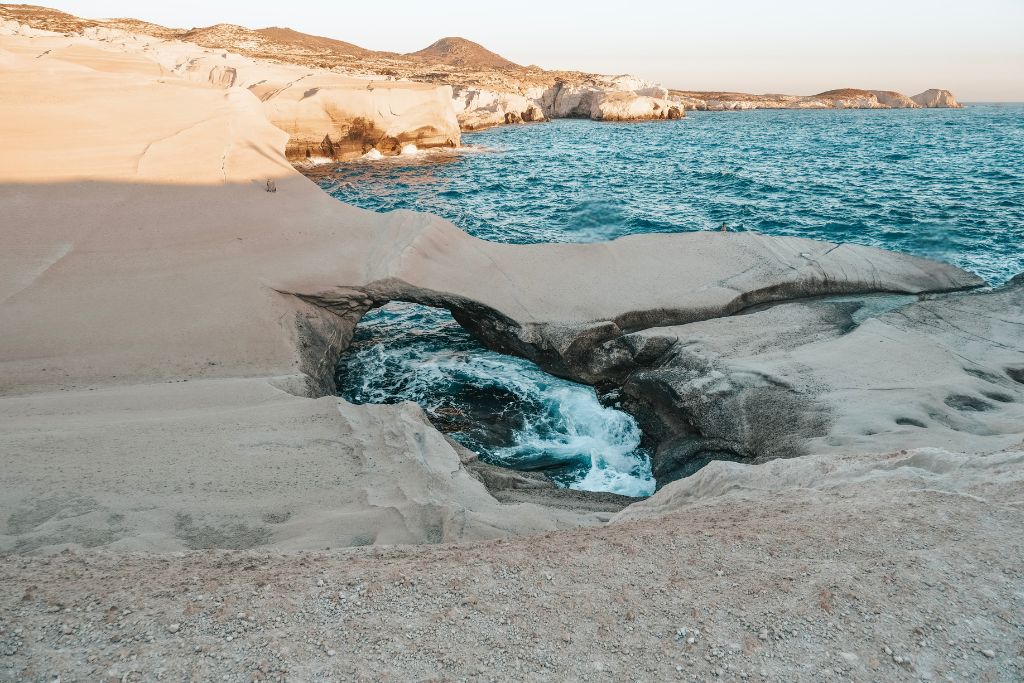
(865,582)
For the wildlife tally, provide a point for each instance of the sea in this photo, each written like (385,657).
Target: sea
(946,184)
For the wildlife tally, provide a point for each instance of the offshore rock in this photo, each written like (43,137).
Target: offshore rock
(843,98)
(936,99)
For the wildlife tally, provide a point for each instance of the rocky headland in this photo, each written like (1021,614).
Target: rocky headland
(184,496)
(484,88)
(844,98)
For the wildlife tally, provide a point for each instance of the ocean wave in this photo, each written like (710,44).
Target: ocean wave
(504,408)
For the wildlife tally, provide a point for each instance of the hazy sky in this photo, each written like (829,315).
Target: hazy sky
(973,47)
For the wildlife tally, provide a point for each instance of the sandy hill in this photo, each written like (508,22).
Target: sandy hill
(457,51)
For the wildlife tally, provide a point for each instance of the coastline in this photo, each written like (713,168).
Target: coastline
(282,294)
(176,464)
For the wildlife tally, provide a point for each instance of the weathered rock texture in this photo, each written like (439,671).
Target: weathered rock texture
(933,99)
(835,377)
(328,116)
(618,98)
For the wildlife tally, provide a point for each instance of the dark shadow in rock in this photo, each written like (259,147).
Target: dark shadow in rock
(982,375)
(967,403)
(910,422)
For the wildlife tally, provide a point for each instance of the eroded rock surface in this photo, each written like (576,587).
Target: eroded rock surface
(818,377)
(935,98)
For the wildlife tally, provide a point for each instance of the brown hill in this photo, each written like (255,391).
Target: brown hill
(845,92)
(305,41)
(282,44)
(46,19)
(452,61)
(456,51)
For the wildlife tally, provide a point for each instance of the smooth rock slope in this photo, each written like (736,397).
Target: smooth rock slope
(167,276)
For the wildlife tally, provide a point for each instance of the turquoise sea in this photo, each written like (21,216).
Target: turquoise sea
(945,184)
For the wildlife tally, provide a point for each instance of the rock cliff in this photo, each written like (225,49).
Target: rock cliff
(328,116)
(933,99)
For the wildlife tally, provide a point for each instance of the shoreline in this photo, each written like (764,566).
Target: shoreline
(179,482)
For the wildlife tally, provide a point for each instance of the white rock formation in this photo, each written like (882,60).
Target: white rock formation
(328,116)
(936,99)
(480,108)
(894,100)
(610,98)
(846,98)
(629,106)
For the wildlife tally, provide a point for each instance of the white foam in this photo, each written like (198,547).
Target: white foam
(409,150)
(569,424)
(372,155)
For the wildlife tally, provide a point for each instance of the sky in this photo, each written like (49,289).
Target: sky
(973,47)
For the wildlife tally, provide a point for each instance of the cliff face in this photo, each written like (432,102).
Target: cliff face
(331,117)
(328,116)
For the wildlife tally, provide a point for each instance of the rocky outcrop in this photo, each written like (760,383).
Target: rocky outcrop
(610,297)
(613,98)
(849,98)
(834,377)
(331,117)
(629,106)
(936,99)
(894,100)
(844,98)
(328,116)
(477,108)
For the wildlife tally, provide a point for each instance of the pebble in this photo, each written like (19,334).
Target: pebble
(989,653)
(173,628)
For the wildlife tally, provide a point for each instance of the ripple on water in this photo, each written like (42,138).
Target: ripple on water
(899,179)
